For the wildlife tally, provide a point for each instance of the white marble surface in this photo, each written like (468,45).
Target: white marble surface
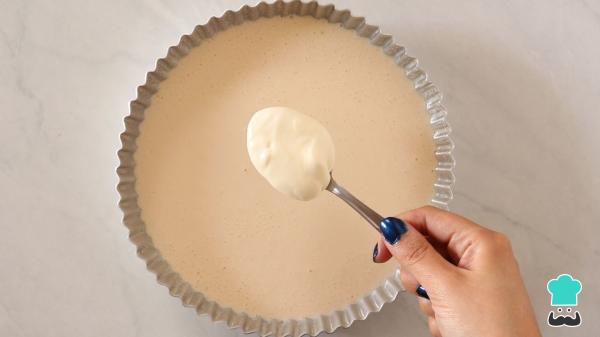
(520,80)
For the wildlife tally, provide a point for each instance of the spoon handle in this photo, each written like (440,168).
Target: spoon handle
(372,217)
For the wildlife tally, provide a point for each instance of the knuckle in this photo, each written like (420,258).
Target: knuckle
(483,234)
(416,251)
(497,242)
(501,238)
(498,238)
(429,208)
(502,241)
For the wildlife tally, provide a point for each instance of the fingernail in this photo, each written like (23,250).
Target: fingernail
(375,252)
(421,292)
(392,229)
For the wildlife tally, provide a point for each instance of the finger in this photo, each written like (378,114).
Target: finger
(418,215)
(409,282)
(414,253)
(380,252)
(426,307)
(442,249)
(453,231)
(435,222)
(433,328)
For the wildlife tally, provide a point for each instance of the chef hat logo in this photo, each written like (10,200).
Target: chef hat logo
(564,290)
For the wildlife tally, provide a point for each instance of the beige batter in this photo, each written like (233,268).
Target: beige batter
(219,223)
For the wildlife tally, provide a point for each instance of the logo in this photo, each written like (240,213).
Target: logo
(563,295)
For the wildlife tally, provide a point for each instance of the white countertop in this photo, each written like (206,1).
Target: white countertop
(520,80)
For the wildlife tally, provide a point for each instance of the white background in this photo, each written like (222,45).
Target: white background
(521,83)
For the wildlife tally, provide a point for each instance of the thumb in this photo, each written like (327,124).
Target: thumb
(415,254)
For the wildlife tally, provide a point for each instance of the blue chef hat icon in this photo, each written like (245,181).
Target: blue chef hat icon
(564,290)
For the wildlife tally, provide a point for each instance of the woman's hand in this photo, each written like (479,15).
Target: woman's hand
(469,272)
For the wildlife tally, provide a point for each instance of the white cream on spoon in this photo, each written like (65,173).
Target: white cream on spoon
(293,151)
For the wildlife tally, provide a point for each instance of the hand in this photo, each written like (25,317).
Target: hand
(470,274)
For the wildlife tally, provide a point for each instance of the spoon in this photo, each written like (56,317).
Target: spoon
(372,217)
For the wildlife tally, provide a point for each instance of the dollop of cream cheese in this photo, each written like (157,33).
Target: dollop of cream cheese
(291,150)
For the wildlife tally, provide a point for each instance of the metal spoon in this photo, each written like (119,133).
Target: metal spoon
(372,217)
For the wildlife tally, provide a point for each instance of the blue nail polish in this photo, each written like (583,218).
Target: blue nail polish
(375,252)
(421,292)
(392,229)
